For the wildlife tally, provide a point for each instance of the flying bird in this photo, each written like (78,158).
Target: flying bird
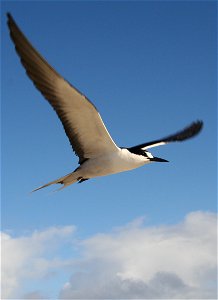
(98,154)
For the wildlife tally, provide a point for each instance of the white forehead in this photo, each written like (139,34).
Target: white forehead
(149,154)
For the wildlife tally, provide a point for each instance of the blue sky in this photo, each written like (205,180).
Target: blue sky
(150,69)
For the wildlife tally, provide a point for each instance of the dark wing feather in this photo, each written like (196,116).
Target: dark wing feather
(81,120)
(187,133)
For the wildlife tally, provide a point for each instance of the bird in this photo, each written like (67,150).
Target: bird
(89,138)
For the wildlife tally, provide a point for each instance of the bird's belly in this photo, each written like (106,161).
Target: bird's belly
(110,164)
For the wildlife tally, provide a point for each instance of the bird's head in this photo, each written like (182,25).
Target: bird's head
(151,157)
(147,154)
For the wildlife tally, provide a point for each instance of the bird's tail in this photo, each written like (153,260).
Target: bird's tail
(64,181)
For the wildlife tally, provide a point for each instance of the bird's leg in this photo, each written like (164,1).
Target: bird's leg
(80,179)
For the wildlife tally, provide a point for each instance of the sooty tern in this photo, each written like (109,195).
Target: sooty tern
(88,136)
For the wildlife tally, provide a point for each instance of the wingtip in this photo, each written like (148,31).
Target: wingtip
(201,123)
(10,20)
(198,125)
(9,16)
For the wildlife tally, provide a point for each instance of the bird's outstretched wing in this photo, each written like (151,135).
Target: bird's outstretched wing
(187,133)
(81,121)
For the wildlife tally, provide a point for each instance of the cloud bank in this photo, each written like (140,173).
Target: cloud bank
(131,262)
(32,258)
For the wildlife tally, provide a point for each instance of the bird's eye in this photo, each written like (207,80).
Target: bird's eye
(145,153)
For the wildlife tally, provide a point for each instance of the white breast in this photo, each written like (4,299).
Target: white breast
(116,162)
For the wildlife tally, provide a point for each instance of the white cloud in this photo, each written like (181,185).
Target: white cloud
(25,258)
(134,261)
(33,295)
(168,262)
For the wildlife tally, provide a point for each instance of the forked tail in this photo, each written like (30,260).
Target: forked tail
(64,181)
